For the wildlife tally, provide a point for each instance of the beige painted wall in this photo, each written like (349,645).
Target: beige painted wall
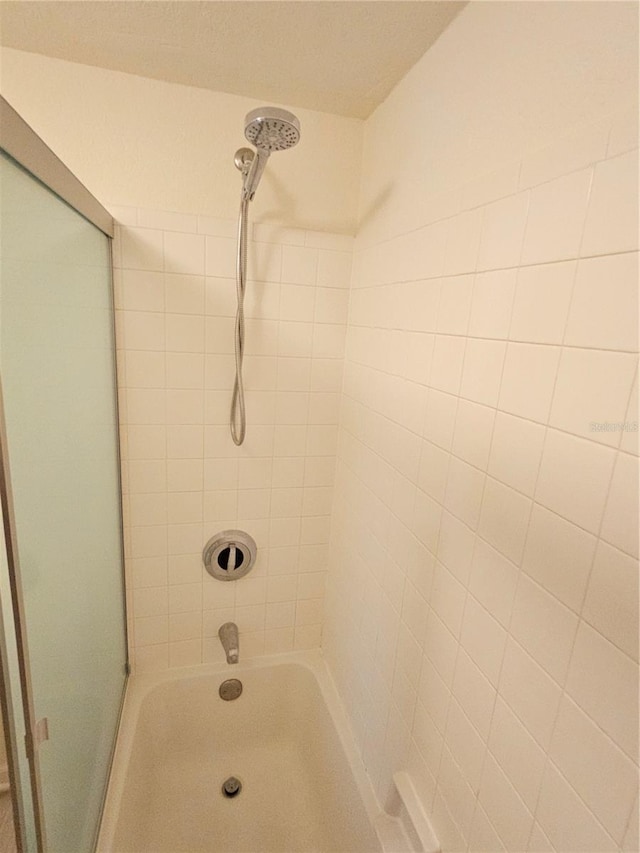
(149,144)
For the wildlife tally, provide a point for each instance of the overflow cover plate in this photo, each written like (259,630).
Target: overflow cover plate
(229,555)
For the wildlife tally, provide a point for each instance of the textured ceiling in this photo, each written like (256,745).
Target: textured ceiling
(335,55)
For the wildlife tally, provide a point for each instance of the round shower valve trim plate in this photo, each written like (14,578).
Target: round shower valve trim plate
(229,555)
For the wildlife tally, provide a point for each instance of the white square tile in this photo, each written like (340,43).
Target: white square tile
(147,509)
(620,523)
(151,658)
(184,370)
(265,261)
(448,598)
(151,601)
(334,269)
(184,294)
(612,217)
(558,555)
(145,369)
(455,546)
(184,253)
(556,217)
(433,692)
(142,290)
(299,265)
(603,681)
(185,333)
(147,571)
(528,380)
(604,308)
(427,737)
(544,627)
(506,810)
(603,776)
(184,539)
(504,519)
(142,249)
(611,605)
(146,406)
(483,639)
(502,232)
(465,745)
(483,366)
(446,368)
(530,693)
(455,304)
(541,304)
(493,581)
(432,475)
(296,302)
(143,330)
(483,837)
(219,294)
(475,694)
(516,451)
(517,753)
(185,626)
(147,475)
(184,407)
(331,305)
(592,388)
(574,476)
(440,418)
(491,305)
(473,430)
(220,257)
(631,841)
(184,475)
(464,491)
(566,820)
(151,630)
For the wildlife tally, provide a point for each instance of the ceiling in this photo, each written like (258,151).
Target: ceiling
(334,56)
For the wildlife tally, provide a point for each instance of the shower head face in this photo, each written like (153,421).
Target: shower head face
(272,129)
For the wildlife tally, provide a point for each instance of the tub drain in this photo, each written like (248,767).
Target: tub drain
(230,689)
(231,787)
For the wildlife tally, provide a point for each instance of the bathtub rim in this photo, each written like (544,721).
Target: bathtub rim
(387,829)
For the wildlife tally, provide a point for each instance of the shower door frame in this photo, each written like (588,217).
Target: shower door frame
(30,152)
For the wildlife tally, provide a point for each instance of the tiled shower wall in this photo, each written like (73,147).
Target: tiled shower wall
(483,590)
(184,480)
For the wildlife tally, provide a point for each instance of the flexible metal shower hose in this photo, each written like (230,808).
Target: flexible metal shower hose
(238,418)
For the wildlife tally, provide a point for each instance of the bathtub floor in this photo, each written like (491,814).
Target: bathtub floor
(281,808)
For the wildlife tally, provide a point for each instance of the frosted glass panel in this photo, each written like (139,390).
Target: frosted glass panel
(56,345)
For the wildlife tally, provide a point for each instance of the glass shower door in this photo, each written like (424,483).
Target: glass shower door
(58,382)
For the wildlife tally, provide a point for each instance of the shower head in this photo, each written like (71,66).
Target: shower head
(269,129)
(272,129)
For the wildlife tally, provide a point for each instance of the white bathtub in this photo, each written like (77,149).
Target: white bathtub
(285,738)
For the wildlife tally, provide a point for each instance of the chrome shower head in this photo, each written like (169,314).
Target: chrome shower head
(272,129)
(269,129)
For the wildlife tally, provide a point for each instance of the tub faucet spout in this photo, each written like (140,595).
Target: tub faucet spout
(228,634)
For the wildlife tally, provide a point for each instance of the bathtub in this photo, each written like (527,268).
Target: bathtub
(285,739)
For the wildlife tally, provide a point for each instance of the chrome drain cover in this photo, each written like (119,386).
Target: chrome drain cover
(230,689)
(231,787)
